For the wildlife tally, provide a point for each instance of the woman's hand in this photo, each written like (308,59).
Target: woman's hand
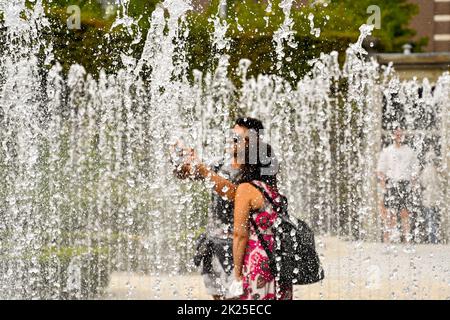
(190,156)
(193,168)
(198,169)
(177,157)
(183,171)
(186,161)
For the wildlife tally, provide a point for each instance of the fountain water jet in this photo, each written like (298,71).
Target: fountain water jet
(86,185)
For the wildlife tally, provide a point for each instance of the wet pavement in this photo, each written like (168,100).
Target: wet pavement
(354,270)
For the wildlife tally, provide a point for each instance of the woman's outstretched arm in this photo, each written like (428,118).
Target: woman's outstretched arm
(222,186)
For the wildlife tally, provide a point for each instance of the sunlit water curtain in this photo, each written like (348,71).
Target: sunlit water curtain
(86,188)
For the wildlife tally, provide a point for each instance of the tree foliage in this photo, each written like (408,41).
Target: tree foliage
(98,44)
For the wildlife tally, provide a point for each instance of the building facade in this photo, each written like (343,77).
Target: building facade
(433,22)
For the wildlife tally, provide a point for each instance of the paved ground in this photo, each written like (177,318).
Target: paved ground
(354,270)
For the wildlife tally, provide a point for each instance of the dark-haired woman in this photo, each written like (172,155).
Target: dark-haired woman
(251,262)
(257,169)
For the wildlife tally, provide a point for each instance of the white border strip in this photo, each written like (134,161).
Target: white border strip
(442,37)
(442,17)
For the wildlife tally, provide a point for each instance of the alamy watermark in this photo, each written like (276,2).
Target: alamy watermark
(375,18)
(74,20)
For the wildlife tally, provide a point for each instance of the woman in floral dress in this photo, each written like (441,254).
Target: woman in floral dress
(251,262)
(258,281)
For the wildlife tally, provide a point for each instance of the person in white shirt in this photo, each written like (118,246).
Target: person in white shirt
(397,171)
(431,196)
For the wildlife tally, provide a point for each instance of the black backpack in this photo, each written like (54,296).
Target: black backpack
(294,259)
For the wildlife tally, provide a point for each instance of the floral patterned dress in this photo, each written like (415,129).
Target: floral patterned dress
(258,281)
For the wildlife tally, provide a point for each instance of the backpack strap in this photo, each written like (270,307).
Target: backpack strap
(265,245)
(272,264)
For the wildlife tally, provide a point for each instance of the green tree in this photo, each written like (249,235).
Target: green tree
(251,29)
(395,18)
(98,46)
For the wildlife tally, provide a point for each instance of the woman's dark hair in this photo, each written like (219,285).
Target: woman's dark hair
(250,123)
(260,163)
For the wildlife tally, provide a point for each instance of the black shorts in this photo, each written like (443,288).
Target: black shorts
(398,195)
